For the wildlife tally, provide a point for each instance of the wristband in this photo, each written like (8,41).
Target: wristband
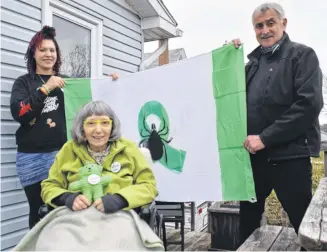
(47,89)
(44,91)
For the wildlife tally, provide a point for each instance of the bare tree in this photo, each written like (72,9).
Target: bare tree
(323,113)
(324,87)
(77,63)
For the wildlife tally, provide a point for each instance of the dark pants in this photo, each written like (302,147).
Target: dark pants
(33,194)
(292,182)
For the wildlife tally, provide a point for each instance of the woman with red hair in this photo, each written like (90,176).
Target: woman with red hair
(37,103)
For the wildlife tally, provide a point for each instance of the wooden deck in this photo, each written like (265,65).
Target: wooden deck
(194,241)
(265,238)
(272,238)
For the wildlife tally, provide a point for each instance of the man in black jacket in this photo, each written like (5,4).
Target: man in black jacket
(284,99)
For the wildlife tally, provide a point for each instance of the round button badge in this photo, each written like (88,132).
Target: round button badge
(115,167)
(93,179)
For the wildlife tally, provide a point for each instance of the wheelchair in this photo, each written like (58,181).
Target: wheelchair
(148,213)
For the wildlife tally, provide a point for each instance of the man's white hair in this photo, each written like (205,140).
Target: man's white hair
(269,6)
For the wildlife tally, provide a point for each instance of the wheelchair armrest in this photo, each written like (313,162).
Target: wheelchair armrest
(147,209)
(44,210)
(147,212)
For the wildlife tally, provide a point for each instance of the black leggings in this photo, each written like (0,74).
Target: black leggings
(33,194)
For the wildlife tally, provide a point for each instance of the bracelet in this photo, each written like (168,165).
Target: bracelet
(47,89)
(44,91)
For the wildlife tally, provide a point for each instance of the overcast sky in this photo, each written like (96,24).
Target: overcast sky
(208,23)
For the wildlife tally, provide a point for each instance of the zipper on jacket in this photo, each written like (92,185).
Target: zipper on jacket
(267,82)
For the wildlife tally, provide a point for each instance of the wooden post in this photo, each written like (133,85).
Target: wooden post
(313,228)
(164,57)
(192,216)
(209,216)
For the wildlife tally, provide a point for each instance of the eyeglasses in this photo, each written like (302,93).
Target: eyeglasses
(105,123)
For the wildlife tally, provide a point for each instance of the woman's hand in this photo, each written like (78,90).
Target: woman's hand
(114,76)
(54,82)
(98,204)
(110,203)
(80,202)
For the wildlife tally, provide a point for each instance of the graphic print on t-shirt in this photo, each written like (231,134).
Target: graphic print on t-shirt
(51,123)
(24,108)
(33,121)
(50,104)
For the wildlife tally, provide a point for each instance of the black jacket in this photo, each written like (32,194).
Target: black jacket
(291,100)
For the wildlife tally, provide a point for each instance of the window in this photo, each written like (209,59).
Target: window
(79,37)
(75,50)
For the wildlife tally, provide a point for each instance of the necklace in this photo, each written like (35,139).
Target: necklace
(41,79)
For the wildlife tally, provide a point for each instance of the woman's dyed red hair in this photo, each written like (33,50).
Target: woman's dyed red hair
(47,32)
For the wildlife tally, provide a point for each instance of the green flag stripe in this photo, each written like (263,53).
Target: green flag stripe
(228,78)
(75,98)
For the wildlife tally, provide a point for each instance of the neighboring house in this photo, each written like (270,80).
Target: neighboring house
(97,37)
(173,55)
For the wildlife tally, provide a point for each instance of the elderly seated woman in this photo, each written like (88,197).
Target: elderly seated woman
(96,138)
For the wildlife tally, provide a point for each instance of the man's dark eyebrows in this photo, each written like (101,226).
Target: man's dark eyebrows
(258,24)
(271,20)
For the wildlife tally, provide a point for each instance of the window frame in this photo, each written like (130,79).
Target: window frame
(53,7)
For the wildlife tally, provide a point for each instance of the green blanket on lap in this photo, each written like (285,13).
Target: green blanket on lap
(90,229)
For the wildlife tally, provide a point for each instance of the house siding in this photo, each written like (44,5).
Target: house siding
(20,19)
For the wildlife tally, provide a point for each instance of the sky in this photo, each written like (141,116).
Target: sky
(207,24)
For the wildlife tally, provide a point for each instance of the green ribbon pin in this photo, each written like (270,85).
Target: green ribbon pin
(158,142)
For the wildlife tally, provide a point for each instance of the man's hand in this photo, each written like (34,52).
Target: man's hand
(98,204)
(253,144)
(237,42)
(80,202)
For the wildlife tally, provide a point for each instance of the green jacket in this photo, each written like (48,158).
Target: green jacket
(135,181)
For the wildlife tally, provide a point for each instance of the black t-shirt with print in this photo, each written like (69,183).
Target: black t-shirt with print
(42,118)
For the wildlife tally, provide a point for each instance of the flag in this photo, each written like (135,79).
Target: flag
(191,115)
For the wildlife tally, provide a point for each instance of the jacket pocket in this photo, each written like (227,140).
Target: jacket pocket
(294,149)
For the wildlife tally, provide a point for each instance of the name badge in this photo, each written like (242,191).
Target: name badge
(94,179)
(115,167)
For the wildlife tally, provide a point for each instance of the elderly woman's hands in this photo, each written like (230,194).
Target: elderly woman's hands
(107,204)
(98,204)
(110,203)
(80,202)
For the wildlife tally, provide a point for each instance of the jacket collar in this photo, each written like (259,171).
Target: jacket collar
(257,52)
(81,151)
